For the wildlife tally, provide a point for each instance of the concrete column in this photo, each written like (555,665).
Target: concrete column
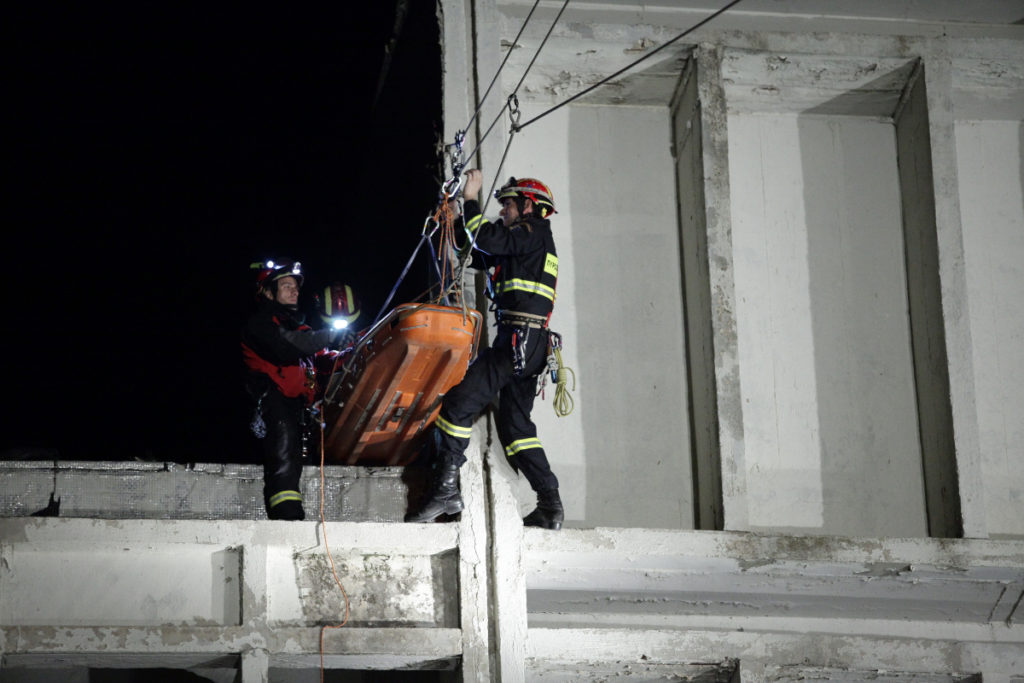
(999,677)
(473,574)
(715,152)
(255,662)
(952,274)
(255,666)
(508,576)
(750,672)
(698,330)
(919,189)
(457,55)
(471,57)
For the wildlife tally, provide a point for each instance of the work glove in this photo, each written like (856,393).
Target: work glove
(342,338)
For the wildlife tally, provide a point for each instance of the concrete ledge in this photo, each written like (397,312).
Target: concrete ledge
(151,490)
(693,579)
(301,536)
(101,588)
(567,648)
(627,545)
(213,647)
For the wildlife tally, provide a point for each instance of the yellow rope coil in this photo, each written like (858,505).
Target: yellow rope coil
(563,401)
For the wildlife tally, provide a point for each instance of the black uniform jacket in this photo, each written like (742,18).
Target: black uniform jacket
(277,345)
(523,257)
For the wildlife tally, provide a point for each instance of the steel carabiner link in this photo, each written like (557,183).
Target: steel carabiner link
(513,111)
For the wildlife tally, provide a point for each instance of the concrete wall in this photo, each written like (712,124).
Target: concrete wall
(989,165)
(236,599)
(829,407)
(620,307)
(820,277)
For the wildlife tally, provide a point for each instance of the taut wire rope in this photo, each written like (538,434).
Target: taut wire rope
(497,73)
(632,64)
(515,91)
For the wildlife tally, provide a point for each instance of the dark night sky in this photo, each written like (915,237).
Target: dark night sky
(155,155)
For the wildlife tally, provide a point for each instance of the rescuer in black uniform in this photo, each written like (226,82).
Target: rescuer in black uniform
(278,351)
(521,251)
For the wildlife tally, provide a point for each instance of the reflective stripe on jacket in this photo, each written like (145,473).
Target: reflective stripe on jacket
(524,259)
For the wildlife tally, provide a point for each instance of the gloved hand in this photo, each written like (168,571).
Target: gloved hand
(474,181)
(342,338)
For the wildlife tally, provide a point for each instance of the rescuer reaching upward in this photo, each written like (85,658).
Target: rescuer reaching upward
(278,351)
(521,251)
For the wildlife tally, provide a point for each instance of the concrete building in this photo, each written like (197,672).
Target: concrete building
(792,289)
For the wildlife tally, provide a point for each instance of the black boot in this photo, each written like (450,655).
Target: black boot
(289,510)
(549,513)
(444,498)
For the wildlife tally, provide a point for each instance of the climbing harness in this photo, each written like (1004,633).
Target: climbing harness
(520,319)
(520,337)
(522,323)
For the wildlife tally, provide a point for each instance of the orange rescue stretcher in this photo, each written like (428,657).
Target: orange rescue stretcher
(385,392)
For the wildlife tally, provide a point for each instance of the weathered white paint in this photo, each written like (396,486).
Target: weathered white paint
(98,584)
(945,299)
(508,587)
(619,280)
(775,336)
(543,153)
(828,396)
(907,658)
(461,598)
(182,593)
(992,211)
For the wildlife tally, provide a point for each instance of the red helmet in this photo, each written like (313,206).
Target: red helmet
(272,271)
(529,188)
(339,304)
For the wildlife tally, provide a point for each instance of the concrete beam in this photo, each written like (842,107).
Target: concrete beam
(262,590)
(632,545)
(683,578)
(569,648)
(158,490)
(196,645)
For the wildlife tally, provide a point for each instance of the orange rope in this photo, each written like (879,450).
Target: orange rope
(445,220)
(323,526)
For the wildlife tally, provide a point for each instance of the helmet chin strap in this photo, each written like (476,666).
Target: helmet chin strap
(521,206)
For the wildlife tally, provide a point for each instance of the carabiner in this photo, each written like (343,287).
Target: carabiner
(452,186)
(513,111)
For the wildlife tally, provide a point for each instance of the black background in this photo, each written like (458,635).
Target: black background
(152,156)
